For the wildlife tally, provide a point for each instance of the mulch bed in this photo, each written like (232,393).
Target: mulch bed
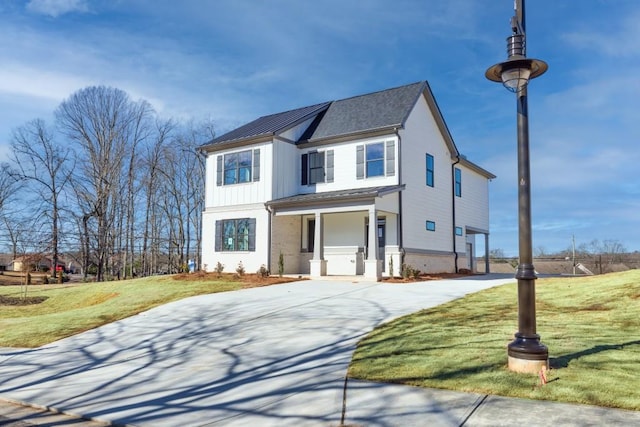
(7,300)
(248,280)
(424,277)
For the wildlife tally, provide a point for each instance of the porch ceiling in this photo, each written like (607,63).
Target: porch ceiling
(333,198)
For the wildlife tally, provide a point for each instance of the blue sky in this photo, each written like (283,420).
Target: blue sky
(235,60)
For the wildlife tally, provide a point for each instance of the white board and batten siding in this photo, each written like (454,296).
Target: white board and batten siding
(242,193)
(251,260)
(237,201)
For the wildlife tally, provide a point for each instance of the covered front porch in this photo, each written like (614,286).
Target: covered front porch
(327,234)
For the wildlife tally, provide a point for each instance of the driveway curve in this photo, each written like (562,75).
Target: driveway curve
(265,356)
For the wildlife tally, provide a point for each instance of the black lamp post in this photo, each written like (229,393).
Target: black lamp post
(526,353)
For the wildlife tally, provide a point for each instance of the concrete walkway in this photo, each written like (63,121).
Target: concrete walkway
(272,356)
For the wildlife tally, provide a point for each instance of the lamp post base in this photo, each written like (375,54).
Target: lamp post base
(527,355)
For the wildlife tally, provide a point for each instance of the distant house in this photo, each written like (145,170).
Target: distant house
(357,186)
(5,262)
(34,262)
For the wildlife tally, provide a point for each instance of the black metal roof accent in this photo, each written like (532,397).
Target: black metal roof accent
(335,196)
(270,125)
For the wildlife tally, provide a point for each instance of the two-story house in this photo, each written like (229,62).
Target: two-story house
(357,186)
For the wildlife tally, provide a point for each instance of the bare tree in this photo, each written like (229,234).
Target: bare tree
(152,161)
(183,170)
(44,165)
(7,184)
(104,124)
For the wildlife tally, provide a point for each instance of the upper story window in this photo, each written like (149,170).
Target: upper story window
(317,166)
(376,159)
(238,167)
(458,182)
(429,162)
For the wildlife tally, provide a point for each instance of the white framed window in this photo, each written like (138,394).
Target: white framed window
(375,159)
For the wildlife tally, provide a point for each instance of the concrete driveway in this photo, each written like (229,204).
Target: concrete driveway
(266,356)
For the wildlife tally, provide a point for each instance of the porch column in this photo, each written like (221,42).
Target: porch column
(486,253)
(373,266)
(318,265)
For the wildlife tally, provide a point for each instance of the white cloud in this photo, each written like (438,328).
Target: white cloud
(22,80)
(623,40)
(55,8)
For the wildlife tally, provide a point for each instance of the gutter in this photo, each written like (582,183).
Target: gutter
(453,208)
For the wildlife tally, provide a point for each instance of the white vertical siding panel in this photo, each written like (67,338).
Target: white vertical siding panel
(210,179)
(420,202)
(472,209)
(245,193)
(285,169)
(250,260)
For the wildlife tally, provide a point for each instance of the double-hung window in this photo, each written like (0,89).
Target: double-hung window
(317,166)
(376,159)
(238,167)
(235,235)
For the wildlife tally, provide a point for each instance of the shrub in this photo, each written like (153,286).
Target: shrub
(262,271)
(405,271)
(219,268)
(409,272)
(391,267)
(280,265)
(240,269)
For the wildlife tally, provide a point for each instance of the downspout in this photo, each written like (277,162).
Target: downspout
(269,236)
(400,229)
(453,209)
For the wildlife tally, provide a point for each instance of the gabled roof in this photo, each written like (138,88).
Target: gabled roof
(378,110)
(270,125)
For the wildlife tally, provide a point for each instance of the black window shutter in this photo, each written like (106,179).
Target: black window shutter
(391,158)
(218,236)
(304,170)
(256,164)
(329,167)
(219,171)
(252,234)
(360,161)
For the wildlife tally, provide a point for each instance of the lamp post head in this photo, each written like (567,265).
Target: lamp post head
(516,71)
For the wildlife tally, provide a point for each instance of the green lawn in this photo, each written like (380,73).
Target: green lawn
(590,324)
(70,309)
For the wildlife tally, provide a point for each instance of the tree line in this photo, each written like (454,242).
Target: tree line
(109,183)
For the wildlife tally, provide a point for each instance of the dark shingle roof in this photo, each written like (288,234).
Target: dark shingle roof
(373,111)
(271,125)
(362,113)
